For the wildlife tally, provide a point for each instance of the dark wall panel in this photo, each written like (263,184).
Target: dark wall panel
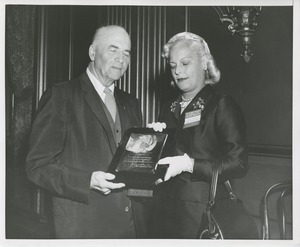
(263,87)
(57,40)
(85,20)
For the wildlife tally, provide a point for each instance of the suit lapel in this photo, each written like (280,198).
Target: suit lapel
(94,102)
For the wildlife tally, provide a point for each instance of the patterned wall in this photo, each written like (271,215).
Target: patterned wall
(20,87)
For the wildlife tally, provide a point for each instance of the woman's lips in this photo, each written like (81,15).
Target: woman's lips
(181,79)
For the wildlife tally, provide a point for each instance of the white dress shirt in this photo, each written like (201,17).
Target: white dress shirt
(99,86)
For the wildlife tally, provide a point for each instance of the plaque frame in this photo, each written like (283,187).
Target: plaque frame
(135,161)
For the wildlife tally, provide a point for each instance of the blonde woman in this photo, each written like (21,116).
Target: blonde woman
(210,131)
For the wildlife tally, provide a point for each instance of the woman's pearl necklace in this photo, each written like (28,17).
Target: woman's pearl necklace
(186,100)
(184,103)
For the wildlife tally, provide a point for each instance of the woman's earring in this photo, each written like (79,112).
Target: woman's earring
(204,66)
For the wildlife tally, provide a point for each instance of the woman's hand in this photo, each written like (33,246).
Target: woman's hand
(177,165)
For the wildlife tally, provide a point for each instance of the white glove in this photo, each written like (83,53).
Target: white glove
(177,165)
(99,181)
(157,126)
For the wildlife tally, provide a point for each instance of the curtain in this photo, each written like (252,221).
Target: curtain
(20,88)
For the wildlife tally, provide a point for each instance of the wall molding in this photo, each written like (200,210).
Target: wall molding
(268,160)
(270,151)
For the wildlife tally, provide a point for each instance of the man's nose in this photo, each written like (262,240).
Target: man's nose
(120,57)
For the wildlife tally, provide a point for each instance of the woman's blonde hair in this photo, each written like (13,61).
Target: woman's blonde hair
(212,73)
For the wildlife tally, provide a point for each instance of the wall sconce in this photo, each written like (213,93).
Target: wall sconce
(243,22)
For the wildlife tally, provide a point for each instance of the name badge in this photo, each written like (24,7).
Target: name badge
(192,118)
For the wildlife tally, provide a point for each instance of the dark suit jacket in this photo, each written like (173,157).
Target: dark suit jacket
(71,138)
(218,140)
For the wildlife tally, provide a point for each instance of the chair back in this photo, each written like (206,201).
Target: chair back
(285,189)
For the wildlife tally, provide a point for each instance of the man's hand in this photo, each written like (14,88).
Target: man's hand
(177,165)
(157,126)
(99,181)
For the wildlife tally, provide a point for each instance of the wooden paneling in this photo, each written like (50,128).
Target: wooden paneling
(147,28)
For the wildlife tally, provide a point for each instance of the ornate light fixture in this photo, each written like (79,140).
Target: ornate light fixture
(243,22)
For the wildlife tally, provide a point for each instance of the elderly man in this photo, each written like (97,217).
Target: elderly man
(78,126)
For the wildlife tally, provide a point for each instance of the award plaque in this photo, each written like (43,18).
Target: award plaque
(135,161)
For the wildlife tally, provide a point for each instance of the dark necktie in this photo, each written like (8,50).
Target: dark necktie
(110,103)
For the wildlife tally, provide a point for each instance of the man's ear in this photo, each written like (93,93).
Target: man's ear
(92,52)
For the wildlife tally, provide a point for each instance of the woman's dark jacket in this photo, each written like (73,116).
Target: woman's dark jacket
(218,140)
